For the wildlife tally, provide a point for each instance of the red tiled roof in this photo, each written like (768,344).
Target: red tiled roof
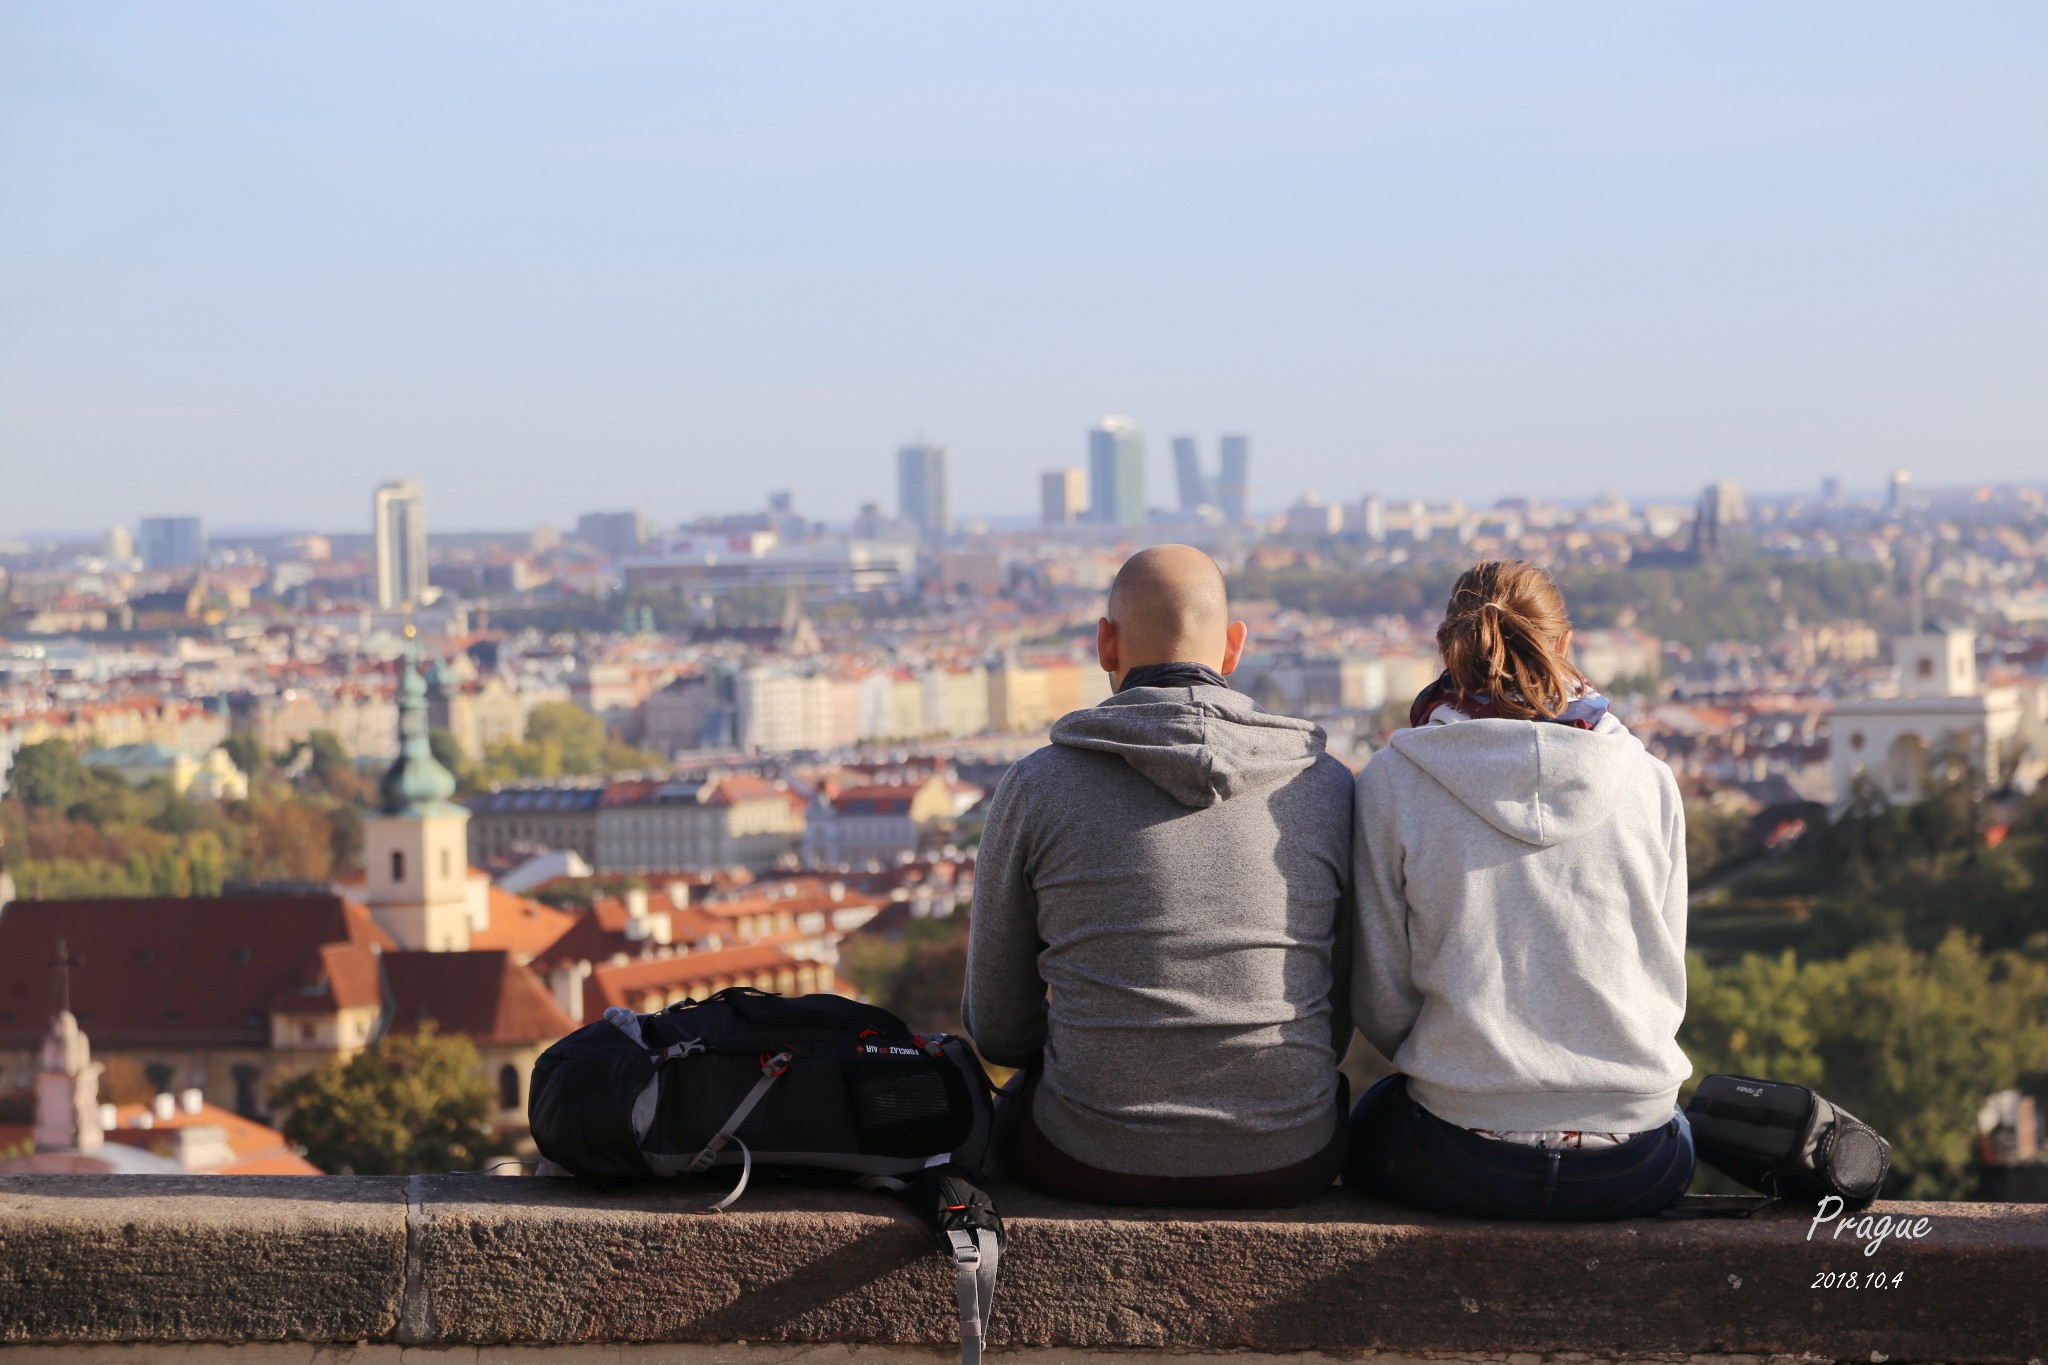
(745,787)
(345,978)
(485,996)
(258,1149)
(523,927)
(169,971)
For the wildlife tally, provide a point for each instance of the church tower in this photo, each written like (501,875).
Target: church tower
(68,1084)
(417,842)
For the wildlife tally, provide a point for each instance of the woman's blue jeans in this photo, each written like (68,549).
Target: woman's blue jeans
(1402,1152)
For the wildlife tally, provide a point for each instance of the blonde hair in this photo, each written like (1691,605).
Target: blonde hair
(1504,636)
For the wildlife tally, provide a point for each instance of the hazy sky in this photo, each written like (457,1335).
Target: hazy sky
(255,257)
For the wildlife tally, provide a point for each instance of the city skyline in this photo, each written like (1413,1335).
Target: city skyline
(1439,252)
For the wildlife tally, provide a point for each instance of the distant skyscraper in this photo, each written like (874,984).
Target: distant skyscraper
(1116,473)
(1372,518)
(1895,495)
(924,489)
(1233,489)
(399,518)
(1187,469)
(120,544)
(1831,491)
(617,536)
(173,542)
(1062,497)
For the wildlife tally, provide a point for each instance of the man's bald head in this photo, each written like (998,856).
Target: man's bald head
(1168,606)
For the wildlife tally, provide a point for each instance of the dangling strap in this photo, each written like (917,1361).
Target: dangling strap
(964,1221)
(975,1255)
(771,1071)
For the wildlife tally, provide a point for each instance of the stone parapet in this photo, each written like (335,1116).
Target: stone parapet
(386,1264)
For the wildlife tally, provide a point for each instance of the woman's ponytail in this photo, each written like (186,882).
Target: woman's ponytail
(1504,637)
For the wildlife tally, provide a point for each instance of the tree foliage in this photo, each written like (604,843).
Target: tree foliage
(1911,1042)
(409,1104)
(562,740)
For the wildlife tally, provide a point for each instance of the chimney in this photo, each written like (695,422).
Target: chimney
(566,983)
(166,1107)
(636,902)
(191,1101)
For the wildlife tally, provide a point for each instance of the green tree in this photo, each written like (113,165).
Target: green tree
(1910,1042)
(247,752)
(330,763)
(409,1104)
(47,775)
(575,737)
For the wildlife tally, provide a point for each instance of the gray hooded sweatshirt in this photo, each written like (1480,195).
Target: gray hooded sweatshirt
(1173,871)
(1521,908)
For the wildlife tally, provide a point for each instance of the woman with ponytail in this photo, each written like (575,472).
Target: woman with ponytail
(1520,955)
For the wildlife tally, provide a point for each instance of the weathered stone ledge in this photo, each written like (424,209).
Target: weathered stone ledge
(111,1268)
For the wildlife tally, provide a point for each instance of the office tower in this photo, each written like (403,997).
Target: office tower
(924,489)
(1062,497)
(120,545)
(618,536)
(1116,473)
(173,542)
(1895,495)
(1233,490)
(399,520)
(1831,491)
(1187,469)
(1723,502)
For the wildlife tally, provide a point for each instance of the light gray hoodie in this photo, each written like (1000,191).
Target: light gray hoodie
(1173,868)
(1521,910)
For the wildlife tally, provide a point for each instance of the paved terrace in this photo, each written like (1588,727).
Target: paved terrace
(472,1268)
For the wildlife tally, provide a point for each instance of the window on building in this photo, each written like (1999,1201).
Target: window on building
(397,865)
(245,1091)
(307,1033)
(447,867)
(1927,668)
(508,1087)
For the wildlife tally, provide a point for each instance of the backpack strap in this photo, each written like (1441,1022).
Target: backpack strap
(771,1071)
(969,1232)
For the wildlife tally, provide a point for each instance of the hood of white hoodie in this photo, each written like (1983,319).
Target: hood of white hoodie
(1199,745)
(1538,782)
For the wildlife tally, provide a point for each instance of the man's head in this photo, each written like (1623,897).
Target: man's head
(1167,606)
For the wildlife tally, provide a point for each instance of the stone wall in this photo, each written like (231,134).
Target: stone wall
(474,1268)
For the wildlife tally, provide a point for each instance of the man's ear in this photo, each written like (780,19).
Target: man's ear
(1233,646)
(1105,646)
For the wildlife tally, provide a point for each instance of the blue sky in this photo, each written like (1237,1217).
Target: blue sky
(255,258)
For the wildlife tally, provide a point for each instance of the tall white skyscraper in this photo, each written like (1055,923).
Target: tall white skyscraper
(924,489)
(1116,472)
(399,517)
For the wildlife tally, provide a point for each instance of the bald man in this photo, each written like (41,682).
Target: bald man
(1158,902)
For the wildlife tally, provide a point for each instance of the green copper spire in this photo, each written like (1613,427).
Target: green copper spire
(416,785)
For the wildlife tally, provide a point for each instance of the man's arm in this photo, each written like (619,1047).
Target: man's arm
(1003,1008)
(1384,1001)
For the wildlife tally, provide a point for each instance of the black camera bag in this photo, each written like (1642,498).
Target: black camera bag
(1786,1141)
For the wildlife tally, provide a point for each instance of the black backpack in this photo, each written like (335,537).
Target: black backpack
(1786,1141)
(817,1082)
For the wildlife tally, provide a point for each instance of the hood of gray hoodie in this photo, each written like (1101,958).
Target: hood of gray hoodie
(1541,783)
(1199,745)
